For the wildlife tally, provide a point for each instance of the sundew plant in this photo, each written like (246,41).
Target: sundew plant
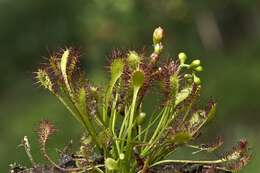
(121,137)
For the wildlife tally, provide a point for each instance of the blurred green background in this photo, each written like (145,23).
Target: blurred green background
(225,34)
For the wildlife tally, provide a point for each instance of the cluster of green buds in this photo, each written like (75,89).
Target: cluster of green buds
(122,137)
(194,66)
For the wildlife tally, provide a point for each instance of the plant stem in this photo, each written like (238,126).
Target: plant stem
(190,161)
(113,116)
(158,131)
(27,148)
(130,124)
(129,129)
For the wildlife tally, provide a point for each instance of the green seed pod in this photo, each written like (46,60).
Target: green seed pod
(140,118)
(182,57)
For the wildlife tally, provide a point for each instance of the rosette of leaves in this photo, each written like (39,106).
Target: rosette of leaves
(122,137)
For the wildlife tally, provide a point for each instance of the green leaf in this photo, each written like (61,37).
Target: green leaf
(63,67)
(117,67)
(44,79)
(138,79)
(133,59)
(82,101)
(111,164)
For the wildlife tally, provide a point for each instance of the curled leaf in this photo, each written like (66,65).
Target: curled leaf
(45,130)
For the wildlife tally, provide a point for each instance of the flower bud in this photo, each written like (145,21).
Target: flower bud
(195,63)
(121,156)
(157,35)
(198,69)
(196,80)
(190,81)
(140,119)
(187,76)
(182,57)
